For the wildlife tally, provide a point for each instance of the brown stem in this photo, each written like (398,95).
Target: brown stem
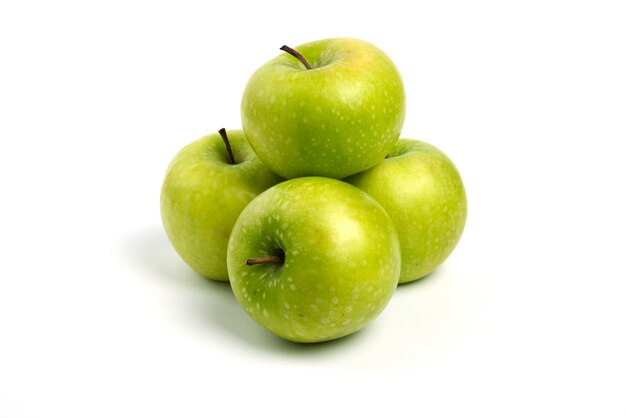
(229,150)
(297,55)
(266,259)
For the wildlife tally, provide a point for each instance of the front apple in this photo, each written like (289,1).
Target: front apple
(207,185)
(313,259)
(422,191)
(340,117)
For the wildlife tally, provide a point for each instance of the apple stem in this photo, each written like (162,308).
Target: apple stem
(267,259)
(297,55)
(229,150)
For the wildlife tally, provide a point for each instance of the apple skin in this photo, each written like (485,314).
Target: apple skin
(338,118)
(202,196)
(422,191)
(341,259)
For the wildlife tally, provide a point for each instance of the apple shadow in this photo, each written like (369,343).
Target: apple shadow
(211,304)
(224,312)
(150,251)
(427,280)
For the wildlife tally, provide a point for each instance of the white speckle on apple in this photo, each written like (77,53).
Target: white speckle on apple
(265,313)
(324,321)
(346,322)
(335,300)
(292,286)
(348,309)
(288,306)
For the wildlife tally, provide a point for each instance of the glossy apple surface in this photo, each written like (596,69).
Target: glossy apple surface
(203,194)
(337,259)
(422,191)
(338,118)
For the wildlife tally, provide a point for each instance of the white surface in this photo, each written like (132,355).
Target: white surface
(100,318)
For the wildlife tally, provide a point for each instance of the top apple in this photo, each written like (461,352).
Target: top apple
(339,117)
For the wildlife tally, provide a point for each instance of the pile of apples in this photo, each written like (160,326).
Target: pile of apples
(316,210)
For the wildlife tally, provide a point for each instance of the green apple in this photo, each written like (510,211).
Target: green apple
(421,190)
(207,185)
(340,117)
(313,259)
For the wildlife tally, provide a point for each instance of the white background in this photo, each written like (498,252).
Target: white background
(100,318)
